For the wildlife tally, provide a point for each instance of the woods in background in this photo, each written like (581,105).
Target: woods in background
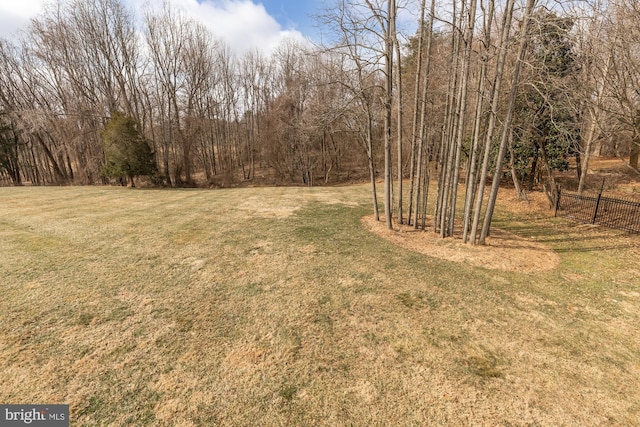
(471,90)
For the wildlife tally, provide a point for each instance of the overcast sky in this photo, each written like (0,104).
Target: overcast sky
(242,24)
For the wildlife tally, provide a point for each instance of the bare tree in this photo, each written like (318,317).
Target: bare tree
(493,112)
(165,38)
(472,170)
(623,73)
(495,185)
(420,104)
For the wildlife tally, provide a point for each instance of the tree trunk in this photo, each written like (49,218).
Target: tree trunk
(534,169)
(388,87)
(635,142)
(399,125)
(448,146)
(550,190)
(425,191)
(635,151)
(462,111)
(416,106)
(423,149)
(495,185)
(374,194)
(60,176)
(372,166)
(593,124)
(512,166)
(495,98)
(472,174)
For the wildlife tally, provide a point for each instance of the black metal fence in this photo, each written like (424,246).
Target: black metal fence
(609,212)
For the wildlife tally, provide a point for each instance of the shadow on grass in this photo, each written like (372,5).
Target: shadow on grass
(566,237)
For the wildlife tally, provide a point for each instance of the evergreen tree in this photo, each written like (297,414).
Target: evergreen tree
(127,152)
(547,128)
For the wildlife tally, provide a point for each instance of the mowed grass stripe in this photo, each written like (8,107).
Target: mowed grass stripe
(274,306)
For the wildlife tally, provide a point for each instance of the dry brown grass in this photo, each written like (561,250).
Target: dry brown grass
(503,250)
(275,306)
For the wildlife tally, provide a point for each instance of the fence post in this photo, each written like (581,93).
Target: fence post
(595,213)
(555,214)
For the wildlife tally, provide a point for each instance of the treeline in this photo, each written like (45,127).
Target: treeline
(208,114)
(482,89)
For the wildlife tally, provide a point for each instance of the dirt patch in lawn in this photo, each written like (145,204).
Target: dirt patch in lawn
(504,251)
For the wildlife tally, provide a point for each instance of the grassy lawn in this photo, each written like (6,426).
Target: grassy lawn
(275,306)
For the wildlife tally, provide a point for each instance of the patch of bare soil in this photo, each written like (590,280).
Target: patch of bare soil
(503,251)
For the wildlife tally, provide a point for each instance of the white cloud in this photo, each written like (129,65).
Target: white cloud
(241,24)
(15,15)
